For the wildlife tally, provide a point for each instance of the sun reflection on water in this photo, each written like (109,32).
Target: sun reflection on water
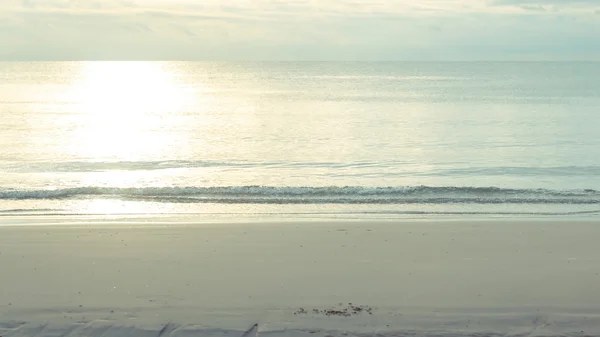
(126,113)
(125,108)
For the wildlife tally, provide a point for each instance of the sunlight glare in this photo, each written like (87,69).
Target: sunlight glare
(124,110)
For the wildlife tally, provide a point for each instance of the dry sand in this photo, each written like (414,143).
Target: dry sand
(177,277)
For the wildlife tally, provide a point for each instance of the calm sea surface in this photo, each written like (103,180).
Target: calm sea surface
(362,140)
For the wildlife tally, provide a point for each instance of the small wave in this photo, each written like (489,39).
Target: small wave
(28,210)
(319,195)
(124,165)
(359,168)
(519,171)
(330,214)
(421,78)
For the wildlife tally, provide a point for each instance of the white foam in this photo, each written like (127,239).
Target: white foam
(318,195)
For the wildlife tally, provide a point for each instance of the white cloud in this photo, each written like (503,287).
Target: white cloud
(298,29)
(572,6)
(565,3)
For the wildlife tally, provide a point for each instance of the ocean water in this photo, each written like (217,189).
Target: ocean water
(301,140)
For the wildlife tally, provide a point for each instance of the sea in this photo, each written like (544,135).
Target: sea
(301,140)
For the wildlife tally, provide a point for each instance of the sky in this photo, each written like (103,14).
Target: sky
(349,30)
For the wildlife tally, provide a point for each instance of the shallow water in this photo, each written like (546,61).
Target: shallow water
(332,139)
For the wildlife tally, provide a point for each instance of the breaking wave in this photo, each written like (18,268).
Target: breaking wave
(317,195)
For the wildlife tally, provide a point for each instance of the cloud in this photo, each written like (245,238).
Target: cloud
(536,8)
(546,5)
(297,29)
(565,3)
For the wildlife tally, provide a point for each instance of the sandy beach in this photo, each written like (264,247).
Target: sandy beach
(177,277)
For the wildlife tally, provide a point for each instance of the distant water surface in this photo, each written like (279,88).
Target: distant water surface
(307,139)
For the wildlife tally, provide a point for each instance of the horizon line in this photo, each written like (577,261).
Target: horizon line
(299,61)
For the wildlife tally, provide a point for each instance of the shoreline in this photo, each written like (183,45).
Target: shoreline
(175,219)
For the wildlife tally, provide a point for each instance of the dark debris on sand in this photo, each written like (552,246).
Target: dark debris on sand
(341,311)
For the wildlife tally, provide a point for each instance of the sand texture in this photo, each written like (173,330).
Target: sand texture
(174,277)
